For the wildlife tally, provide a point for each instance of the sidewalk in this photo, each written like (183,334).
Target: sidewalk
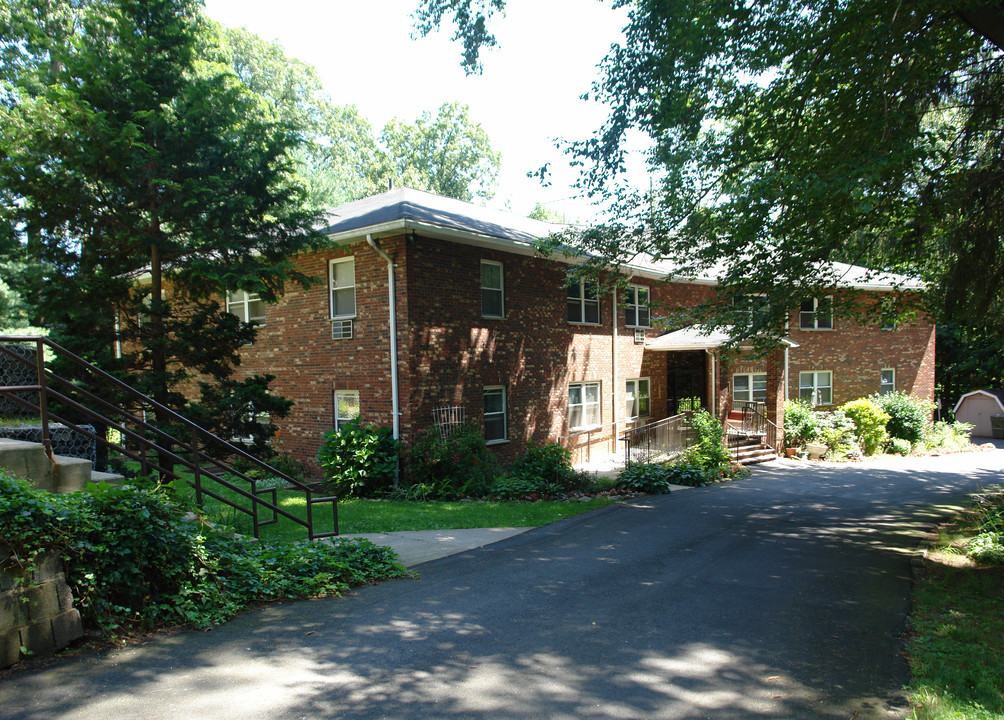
(414,547)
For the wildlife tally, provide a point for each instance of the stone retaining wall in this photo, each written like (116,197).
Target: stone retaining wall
(36,609)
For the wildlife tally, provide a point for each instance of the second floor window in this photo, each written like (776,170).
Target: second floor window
(583,303)
(492,301)
(342,282)
(637,312)
(247,306)
(816,314)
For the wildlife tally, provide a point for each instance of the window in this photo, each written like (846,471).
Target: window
(887,381)
(492,305)
(637,311)
(816,314)
(346,407)
(495,415)
(247,306)
(638,403)
(583,305)
(749,387)
(816,388)
(342,276)
(583,405)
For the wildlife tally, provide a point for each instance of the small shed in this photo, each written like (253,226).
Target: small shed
(977,407)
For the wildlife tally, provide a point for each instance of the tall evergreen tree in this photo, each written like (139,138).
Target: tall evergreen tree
(143,183)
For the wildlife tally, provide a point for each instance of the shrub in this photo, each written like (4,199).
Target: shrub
(869,423)
(708,451)
(836,431)
(542,471)
(359,459)
(132,560)
(801,423)
(898,446)
(459,466)
(648,478)
(947,436)
(907,415)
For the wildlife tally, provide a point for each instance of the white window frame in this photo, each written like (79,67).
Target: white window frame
(582,301)
(500,289)
(339,421)
(503,413)
(638,404)
(240,301)
(887,387)
(587,408)
(636,307)
(751,393)
(814,386)
(820,319)
(332,288)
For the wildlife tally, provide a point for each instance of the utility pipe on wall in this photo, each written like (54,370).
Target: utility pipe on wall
(613,384)
(392,301)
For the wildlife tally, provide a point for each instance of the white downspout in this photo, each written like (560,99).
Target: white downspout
(785,372)
(613,388)
(714,384)
(395,400)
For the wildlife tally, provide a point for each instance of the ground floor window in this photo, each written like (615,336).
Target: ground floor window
(749,387)
(583,405)
(346,407)
(495,415)
(816,388)
(887,381)
(638,399)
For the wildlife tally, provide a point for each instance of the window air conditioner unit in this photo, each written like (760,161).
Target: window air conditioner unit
(341,330)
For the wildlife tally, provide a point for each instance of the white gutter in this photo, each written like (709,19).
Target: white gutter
(395,400)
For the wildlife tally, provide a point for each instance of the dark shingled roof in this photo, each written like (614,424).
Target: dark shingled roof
(430,209)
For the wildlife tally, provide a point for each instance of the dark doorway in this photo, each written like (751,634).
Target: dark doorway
(686,384)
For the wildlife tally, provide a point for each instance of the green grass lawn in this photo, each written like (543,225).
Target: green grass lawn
(956,646)
(375,516)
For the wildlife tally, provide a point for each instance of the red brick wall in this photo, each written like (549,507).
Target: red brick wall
(857,352)
(449,353)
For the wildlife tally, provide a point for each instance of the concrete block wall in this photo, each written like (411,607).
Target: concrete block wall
(36,609)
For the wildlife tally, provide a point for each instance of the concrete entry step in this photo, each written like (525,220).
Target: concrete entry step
(60,475)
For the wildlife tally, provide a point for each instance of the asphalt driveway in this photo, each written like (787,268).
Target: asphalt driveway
(780,596)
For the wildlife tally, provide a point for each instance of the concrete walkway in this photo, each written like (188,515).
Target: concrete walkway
(415,547)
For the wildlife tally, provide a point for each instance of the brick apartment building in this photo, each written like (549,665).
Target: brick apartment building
(432,304)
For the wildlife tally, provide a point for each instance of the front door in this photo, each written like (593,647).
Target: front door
(686,384)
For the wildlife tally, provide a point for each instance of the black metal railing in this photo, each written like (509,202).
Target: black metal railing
(660,439)
(156,449)
(754,426)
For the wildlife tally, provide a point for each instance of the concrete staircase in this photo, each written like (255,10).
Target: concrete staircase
(60,475)
(754,452)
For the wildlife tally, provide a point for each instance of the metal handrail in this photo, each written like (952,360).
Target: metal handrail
(754,423)
(662,436)
(153,439)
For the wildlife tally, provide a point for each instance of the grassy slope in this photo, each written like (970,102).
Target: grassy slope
(956,647)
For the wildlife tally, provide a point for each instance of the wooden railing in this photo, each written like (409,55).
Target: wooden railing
(157,449)
(658,439)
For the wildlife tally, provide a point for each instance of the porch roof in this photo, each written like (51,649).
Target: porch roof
(695,338)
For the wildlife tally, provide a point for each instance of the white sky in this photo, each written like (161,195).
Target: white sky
(527,96)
